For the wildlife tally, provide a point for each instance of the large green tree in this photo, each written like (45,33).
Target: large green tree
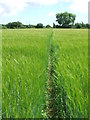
(65,19)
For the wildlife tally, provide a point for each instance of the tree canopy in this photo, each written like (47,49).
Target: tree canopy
(48,26)
(14,24)
(65,19)
(39,25)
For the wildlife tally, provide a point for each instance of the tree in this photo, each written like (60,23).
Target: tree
(88,26)
(48,26)
(83,25)
(78,25)
(4,27)
(31,26)
(65,19)
(14,24)
(54,26)
(39,25)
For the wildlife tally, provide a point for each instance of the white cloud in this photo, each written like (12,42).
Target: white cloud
(80,6)
(11,7)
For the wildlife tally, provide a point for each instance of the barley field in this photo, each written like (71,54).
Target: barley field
(71,52)
(25,73)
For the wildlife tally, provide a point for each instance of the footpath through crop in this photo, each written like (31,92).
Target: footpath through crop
(51,90)
(56,104)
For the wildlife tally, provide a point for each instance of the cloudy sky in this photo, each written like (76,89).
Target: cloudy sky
(41,11)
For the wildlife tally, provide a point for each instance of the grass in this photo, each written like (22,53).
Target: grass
(25,62)
(0,72)
(71,52)
(24,71)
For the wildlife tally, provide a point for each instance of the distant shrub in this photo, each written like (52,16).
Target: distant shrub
(4,27)
(39,25)
(48,26)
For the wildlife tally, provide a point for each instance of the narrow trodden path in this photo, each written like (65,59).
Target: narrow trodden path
(51,90)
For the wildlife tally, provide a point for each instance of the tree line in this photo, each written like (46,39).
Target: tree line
(64,20)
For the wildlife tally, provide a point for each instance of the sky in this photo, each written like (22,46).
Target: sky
(41,11)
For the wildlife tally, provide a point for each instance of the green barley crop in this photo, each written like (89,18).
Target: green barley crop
(24,72)
(71,52)
(25,59)
(0,72)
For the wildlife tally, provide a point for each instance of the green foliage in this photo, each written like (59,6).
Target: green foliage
(48,26)
(65,19)
(54,26)
(4,27)
(82,25)
(67,22)
(78,25)
(39,25)
(14,24)
(31,26)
